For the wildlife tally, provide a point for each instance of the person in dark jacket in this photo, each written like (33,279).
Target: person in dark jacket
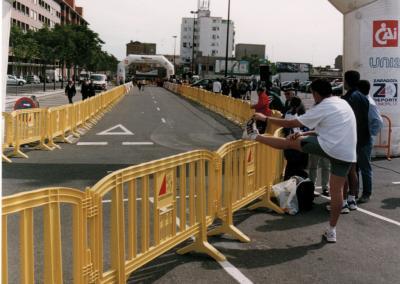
(70,91)
(91,89)
(85,90)
(360,105)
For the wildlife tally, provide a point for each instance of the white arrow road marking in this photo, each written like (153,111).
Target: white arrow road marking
(120,127)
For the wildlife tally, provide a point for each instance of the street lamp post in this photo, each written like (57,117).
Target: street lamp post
(194,27)
(174,52)
(227,38)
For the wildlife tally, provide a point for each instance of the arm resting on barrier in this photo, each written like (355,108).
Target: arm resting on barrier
(287,123)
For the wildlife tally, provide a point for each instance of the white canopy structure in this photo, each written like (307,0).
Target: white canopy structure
(372,47)
(144,59)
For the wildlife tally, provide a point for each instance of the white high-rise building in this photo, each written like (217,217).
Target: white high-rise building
(209,35)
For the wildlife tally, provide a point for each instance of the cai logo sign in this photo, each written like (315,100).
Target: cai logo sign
(385,91)
(386,33)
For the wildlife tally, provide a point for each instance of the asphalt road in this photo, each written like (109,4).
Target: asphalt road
(283,249)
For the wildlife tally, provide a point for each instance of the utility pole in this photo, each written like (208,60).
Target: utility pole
(174,52)
(194,28)
(227,38)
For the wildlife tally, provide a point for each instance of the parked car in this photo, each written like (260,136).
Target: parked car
(337,90)
(13,80)
(99,81)
(203,84)
(287,85)
(303,86)
(32,79)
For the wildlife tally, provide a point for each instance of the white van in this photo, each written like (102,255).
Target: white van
(99,81)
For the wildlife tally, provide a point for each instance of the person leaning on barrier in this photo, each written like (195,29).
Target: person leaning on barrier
(70,91)
(335,137)
(262,106)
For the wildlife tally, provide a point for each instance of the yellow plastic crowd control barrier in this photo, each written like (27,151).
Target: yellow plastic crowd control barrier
(235,110)
(51,125)
(134,215)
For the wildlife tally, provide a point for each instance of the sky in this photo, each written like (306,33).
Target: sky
(309,31)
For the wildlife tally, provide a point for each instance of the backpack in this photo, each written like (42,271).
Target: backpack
(305,194)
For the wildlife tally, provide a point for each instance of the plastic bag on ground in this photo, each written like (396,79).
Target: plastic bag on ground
(285,192)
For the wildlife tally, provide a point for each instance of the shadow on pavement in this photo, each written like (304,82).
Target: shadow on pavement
(391,203)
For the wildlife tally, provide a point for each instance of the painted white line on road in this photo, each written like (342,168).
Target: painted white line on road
(396,182)
(383,218)
(163,120)
(92,143)
(137,143)
(234,272)
(155,102)
(158,109)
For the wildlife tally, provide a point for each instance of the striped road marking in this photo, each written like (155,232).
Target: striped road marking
(137,143)
(396,182)
(92,143)
(383,218)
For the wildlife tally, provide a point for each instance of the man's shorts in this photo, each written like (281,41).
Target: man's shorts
(311,145)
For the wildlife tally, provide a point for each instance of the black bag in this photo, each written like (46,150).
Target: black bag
(305,195)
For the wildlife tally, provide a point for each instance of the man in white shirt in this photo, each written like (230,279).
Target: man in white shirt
(335,137)
(217,86)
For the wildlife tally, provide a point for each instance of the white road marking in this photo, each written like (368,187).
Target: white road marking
(92,143)
(155,102)
(163,120)
(396,182)
(137,143)
(158,109)
(109,131)
(226,265)
(383,218)
(234,272)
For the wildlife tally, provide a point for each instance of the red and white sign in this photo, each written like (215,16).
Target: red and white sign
(386,33)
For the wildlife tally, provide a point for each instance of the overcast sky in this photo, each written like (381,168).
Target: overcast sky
(293,30)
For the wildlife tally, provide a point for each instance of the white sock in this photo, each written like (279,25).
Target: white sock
(351,198)
(332,229)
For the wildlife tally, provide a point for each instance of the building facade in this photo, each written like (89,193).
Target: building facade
(34,14)
(243,50)
(142,48)
(209,34)
(70,13)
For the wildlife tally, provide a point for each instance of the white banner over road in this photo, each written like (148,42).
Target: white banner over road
(372,47)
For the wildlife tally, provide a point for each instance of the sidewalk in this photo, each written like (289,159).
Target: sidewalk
(46,99)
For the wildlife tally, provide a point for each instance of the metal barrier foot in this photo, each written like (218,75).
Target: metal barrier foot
(43,146)
(267,203)
(203,247)
(6,159)
(229,230)
(19,154)
(53,145)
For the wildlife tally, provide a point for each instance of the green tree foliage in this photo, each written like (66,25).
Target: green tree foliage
(72,45)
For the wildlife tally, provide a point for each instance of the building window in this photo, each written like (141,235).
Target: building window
(184,44)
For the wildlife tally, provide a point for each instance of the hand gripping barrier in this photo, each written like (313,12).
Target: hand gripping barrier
(388,144)
(48,126)
(134,215)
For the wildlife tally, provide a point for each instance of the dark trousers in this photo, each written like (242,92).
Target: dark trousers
(70,99)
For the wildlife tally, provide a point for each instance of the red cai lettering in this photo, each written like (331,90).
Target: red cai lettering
(386,33)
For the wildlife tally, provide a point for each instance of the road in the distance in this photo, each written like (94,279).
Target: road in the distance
(155,122)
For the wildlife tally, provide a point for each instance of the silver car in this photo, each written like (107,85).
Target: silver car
(13,80)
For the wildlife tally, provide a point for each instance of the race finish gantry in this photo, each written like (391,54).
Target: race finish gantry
(152,62)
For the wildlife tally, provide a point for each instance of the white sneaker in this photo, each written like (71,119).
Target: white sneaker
(330,236)
(345,209)
(352,205)
(251,131)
